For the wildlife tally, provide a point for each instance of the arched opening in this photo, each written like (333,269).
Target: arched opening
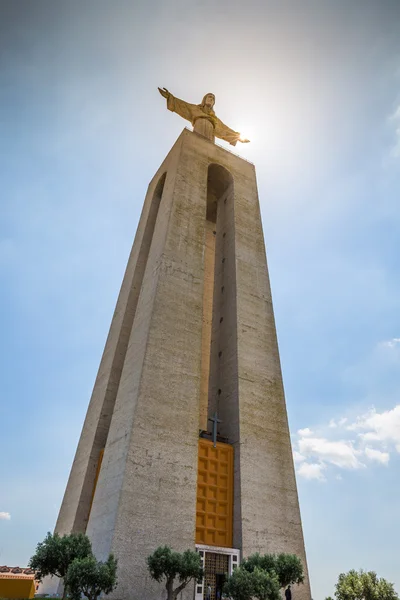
(219,189)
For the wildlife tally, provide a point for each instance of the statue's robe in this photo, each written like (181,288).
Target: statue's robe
(206,124)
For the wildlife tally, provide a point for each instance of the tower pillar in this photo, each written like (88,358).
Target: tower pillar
(192,335)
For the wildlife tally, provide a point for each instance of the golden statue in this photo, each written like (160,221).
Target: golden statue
(202,117)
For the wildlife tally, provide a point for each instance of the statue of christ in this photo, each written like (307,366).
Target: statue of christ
(202,117)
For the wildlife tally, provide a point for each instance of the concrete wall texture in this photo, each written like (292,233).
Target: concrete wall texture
(146,403)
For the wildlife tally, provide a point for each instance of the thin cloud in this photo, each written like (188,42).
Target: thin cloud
(391,343)
(305,432)
(5,516)
(378,427)
(376,433)
(297,457)
(333,424)
(312,471)
(377,455)
(340,453)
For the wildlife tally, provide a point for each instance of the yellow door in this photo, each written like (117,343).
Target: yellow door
(214,512)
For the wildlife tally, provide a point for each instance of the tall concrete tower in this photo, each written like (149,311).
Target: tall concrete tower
(186,439)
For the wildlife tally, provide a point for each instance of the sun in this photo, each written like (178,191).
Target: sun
(246,133)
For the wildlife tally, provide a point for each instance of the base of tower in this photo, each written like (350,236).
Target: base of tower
(218,564)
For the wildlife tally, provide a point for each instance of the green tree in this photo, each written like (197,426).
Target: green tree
(287,567)
(55,554)
(89,577)
(258,584)
(361,585)
(262,576)
(165,563)
(265,585)
(239,585)
(267,562)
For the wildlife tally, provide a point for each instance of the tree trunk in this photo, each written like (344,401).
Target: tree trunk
(170,589)
(64,592)
(180,588)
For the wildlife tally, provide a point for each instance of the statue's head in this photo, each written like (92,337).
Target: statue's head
(208,101)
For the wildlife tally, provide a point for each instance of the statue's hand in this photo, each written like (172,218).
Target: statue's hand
(164,92)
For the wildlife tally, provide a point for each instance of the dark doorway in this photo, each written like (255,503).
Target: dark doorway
(219,584)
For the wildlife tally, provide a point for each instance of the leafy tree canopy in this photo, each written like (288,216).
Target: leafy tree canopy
(265,585)
(257,584)
(361,585)
(166,564)
(287,567)
(240,585)
(55,554)
(89,577)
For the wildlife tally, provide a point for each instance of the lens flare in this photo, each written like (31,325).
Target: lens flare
(243,138)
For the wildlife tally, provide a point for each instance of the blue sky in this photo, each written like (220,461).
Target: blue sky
(316,87)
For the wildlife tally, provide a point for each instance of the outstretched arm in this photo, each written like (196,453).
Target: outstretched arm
(224,132)
(182,108)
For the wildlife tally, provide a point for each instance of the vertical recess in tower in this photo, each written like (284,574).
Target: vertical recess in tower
(218,390)
(223,371)
(103,426)
(215,522)
(208,294)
